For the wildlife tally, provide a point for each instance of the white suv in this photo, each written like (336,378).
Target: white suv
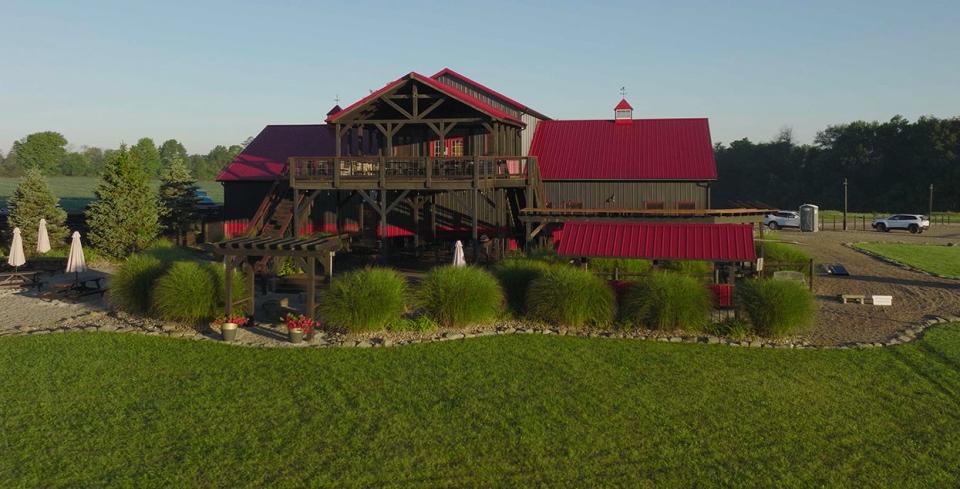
(914,223)
(782,219)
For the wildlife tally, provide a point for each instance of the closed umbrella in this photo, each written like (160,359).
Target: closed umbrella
(16,258)
(458,259)
(75,261)
(43,241)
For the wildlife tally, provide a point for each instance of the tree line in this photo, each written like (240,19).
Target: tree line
(50,153)
(889,167)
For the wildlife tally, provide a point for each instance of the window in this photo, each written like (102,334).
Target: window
(653,204)
(450,147)
(686,204)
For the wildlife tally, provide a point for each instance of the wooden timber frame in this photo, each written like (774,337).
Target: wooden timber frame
(306,253)
(413,113)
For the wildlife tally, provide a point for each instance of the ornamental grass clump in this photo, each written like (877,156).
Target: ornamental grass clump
(515,276)
(131,285)
(192,291)
(667,301)
(775,307)
(365,300)
(459,296)
(570,296)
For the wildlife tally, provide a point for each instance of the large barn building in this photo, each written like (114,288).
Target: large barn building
(444,156)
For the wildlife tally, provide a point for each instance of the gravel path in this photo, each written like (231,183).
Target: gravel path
(26,308)
(915,294)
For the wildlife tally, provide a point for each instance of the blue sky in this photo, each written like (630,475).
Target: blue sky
(212,73)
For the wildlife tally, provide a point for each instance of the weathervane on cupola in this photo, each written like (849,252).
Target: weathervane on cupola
(623,112)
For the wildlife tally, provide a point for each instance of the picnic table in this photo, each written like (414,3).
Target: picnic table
(82,285)
(20,278)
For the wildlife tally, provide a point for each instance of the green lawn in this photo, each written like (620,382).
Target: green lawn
(100,409)
(76,192)
(941,260)
(827,214)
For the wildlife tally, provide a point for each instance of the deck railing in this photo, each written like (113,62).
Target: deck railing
(399,168)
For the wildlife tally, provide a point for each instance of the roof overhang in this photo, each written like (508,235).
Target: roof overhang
(659,241)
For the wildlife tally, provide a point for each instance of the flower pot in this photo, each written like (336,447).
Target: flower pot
(229,331)
(296,335)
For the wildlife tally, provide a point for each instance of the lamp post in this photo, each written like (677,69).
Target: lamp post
(844,204)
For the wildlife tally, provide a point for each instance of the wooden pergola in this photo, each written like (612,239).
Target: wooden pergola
(305,252)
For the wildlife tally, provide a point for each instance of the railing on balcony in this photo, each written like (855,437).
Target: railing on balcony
(427,170)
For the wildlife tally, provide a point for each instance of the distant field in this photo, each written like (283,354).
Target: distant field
(941,260)
(76,192)
(831,214)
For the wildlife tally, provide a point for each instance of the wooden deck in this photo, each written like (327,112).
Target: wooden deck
(409,173)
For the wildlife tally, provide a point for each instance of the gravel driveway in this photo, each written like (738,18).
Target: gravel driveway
(915,294)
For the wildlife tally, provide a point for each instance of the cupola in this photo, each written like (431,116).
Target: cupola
(623,112)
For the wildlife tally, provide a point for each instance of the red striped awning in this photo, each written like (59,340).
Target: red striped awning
(659,241)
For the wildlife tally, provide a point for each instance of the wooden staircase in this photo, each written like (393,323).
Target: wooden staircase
(274,217)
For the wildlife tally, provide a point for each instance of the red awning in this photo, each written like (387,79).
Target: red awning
(659,241)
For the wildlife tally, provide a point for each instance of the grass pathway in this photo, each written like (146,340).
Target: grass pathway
(940,260)
(92,409)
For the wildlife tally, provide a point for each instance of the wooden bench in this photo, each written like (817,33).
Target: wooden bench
(854,298)
(18,279)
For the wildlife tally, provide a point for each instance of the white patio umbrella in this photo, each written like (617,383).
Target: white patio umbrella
(16,258)
(458,259)
(75,261)
(43,240)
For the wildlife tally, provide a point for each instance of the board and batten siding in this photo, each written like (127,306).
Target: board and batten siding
(531,121)
(592,194)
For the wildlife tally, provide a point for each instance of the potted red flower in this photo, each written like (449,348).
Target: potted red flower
(299,326)
(228,326)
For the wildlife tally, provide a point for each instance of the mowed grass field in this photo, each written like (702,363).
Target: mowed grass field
(941,260)
(76,192)
(102,409)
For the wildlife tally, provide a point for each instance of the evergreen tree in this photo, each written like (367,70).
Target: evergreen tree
(177,199)
(32,201)
(145,155)
(123,218)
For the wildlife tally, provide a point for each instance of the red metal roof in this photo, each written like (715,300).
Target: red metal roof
(465,98)
(659,241)
(647,149)
(479,86)
(623,105)
(265,157)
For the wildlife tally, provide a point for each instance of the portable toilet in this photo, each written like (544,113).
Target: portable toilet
(809,218)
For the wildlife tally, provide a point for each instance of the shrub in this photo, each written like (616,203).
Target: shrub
(417,324)
(515,276)
(667,301)
(365,300)
(570,296)
(546,254)
(192,291)
(624,265)
(775,307)
(691,268)
(733,328)
(132,284)
(219,275)
(457,296)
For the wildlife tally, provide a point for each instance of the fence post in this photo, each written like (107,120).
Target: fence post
(616,273)
(811,275)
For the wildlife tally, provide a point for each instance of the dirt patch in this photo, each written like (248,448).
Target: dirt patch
(915,294)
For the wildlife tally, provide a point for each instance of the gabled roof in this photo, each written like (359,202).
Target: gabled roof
(452,92)
(659,241)
(489,91)
(623,105)
(647,149)
(265,158)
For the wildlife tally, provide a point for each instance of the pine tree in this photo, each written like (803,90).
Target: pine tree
(123,218)
(178,198)
(32,201)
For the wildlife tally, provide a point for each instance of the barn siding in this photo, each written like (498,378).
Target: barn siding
(627,194)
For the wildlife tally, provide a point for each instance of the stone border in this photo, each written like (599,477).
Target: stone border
(891,261)
(103,322)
